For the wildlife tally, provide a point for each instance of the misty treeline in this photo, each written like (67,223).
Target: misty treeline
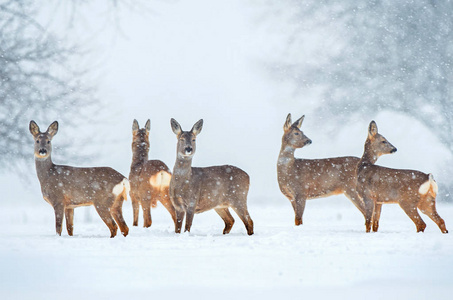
(38,80)
(369,56)
(359,58)
(44,75)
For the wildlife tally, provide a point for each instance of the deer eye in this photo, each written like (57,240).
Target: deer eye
(48,142)
(296,133)
(37,141)
(193,140)
(383,142)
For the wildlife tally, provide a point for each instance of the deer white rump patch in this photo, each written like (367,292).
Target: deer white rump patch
(424,188)
(120,187)
(160,180)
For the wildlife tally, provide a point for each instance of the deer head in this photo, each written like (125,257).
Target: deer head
(376,144)
(140,137)
(186,139)
(43,140)
(293,136)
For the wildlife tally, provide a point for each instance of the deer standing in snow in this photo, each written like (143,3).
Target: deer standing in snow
(150,179)
(303,179)
(196,190)
(379,185)
(66,188)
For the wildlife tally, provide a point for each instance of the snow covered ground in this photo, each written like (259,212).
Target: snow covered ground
(330,256)
(206,59)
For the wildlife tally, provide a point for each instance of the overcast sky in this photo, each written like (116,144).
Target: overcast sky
(205,59)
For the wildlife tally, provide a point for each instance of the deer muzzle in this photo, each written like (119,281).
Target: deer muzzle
(188,150)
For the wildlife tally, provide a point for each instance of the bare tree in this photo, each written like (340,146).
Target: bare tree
(41,76)
(37,81)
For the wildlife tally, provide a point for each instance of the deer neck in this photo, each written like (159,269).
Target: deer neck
(43,167)
(286,157)
(369,156)
(139,157)
(183,168)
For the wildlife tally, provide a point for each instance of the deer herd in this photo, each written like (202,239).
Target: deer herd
(189,190)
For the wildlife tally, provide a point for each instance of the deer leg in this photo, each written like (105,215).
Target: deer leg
(108,220)
(356,200)
(69,215)
(369,211)
(59,213)
(376,216)
(428,207)
(146,206)
(412,213)
(179,219)
(299,204)
(117,213)
(224,213)
(190,212)
(135,209)
(293,204)
(244,215)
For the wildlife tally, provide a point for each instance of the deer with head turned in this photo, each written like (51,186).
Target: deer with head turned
(150,179)
(379,185)
(196,190)
(303,179)
(66,188)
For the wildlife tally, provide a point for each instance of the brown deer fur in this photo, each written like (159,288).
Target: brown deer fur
(302,179)
(379,185)
(66,188)
(195,190)
(150,179)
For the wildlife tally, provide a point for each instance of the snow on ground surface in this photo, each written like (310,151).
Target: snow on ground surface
(330,256)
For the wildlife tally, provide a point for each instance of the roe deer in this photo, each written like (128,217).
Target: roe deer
(302,179)
(379,185)
(66,187)
(196,190)
(150,179)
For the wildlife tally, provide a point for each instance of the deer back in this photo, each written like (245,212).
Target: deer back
(82,186)
(73,186)
(322,177)
(386,185)
(207,188)
(145,175)
(311,178)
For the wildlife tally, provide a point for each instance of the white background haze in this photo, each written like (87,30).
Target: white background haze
(206,59)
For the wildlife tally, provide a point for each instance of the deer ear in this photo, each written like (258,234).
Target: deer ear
(148,125)
(175,127)
(53,129)
(287,123)
(135,126)
(298,123)
(196,129)
(372,129)
(34,128)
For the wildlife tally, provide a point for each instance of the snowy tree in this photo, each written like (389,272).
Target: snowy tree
(372,56)
(37,80)
(43,75)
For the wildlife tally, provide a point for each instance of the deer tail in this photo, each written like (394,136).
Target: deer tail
(429,187)
(122,188)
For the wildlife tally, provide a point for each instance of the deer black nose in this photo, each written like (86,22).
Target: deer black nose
(188,150)
(308,142)
(42,151)
(393,150)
